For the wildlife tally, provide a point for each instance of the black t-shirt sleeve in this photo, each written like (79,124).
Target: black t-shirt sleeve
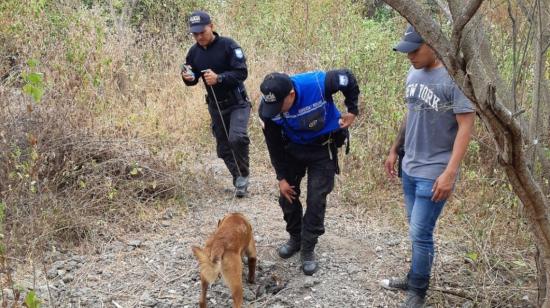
(189,61)
(344,81)
(275,147)
(238,70)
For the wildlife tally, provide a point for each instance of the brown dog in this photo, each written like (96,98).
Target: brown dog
(222,255)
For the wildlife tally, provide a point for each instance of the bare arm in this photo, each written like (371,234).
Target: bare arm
(400,140)
(389,164)
(443,185)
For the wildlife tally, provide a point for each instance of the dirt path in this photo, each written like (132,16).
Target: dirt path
(157,269)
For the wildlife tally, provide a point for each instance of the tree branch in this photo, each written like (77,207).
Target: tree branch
(514,56)
(445,8)
(525,10)
(545,163)
(462,20)
(429,30)
(464,294)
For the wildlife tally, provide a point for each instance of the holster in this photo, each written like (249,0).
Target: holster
(234,97)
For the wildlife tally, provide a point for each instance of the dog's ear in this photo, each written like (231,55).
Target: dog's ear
(219,222)
(200,255)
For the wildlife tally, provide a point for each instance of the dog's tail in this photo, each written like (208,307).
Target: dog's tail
(210,266)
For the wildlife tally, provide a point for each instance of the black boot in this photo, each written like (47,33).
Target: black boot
(309,264)
(241,186)
(289,248)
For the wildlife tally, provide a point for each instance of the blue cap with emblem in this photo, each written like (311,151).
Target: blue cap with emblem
(198,20)
(410,42)
(275,87)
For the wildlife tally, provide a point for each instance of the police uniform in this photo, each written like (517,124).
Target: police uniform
(302,141)
(225,58)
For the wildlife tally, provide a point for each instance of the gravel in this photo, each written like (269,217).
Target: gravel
(156,268)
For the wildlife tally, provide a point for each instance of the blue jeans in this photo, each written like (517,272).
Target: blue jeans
(422,214)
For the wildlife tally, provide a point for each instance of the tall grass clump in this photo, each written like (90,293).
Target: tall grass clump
(97,128)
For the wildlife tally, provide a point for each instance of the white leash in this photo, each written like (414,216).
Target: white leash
(231,204)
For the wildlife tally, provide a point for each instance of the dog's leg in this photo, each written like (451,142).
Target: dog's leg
(204,288)
(251,254)
(232,270)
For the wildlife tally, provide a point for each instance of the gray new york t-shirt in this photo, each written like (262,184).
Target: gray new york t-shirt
(433,99)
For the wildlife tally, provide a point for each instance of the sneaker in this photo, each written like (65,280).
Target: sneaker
(413,301)
(395,283)
(241,186)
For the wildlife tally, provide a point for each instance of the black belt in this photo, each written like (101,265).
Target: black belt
(222,103)
(323,139)
(334,139)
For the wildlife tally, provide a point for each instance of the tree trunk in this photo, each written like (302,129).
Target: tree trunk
(541,279)
(536,123)
(478,80)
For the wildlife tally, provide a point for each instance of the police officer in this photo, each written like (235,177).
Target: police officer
(302,129)
(221,65)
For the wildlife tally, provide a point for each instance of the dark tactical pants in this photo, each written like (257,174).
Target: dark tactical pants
(314,160)
(236,118)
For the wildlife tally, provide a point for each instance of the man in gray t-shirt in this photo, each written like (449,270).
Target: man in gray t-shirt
(433,99)
(436,134)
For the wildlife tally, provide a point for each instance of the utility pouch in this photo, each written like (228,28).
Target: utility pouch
(241,96)
(341,137)
(313,121)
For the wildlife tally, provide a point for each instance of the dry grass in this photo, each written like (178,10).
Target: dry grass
(115,135)
(94,152)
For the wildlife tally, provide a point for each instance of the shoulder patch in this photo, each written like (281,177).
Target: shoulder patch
(343,80)
(239,53)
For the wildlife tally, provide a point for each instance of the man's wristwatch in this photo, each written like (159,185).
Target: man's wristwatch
(220,78)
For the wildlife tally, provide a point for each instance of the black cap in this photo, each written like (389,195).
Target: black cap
(410,42)
(275,87)
(198,20)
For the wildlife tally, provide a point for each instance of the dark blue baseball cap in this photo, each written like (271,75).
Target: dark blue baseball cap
(275,87)
(410,42)
(198,20)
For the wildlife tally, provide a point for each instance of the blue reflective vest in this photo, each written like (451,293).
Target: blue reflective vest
(312,115)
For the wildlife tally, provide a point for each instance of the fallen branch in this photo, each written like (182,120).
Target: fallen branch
(456,292)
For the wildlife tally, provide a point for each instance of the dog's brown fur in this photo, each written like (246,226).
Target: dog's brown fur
(222,255)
